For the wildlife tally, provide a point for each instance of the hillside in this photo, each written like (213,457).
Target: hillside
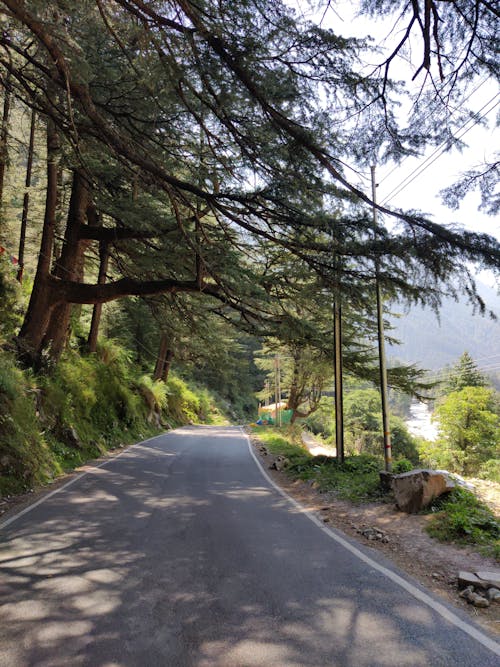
(433,343)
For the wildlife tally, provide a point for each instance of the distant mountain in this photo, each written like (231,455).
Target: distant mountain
(433,343)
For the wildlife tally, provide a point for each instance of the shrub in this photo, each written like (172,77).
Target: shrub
(490,470)
(183,404)
(402,465)
(461,517)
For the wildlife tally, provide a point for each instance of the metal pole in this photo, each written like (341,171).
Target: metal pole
(381,348)
(339,402)
(278,384)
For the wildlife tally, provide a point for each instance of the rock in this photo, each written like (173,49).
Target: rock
(478,600)
(263,450)
(470,579)
(490,578)
(280,463)
(466,592)
(372,533)
(493,594)
(414,490)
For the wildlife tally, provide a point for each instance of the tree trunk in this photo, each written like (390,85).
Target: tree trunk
(166,366)
(42,299)
(97,311)
(161,358)
(3,135)
(70,265)
(24,219)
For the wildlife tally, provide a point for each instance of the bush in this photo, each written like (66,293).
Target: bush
(490,470)
(401,466)
(461,517)
(183,404)
(25,459)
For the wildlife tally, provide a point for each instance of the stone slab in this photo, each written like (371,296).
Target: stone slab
(491,577)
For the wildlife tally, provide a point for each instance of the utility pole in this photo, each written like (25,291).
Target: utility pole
(277,384)
(339,401)
(381,346)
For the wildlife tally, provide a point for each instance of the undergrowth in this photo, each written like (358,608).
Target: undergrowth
(86,405)
(357,479)
(462,518)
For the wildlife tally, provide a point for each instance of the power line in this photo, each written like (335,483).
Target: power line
(431,113)
(439,151)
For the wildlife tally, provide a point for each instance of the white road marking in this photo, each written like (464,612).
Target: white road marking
(439,608)
(17,516)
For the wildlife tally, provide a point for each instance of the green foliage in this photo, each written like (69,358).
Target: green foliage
(402,465)
(155,393)
(469,430)
(10,300)
(183,404)
(461,517)
(25,458)
(357,479)
(87,404)
(464,373)
(363,427)
(490,470)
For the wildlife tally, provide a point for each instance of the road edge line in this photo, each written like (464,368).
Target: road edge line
(439,608)
(28,509)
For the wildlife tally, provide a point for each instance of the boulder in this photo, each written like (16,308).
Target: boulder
(493,594)
(414,490)
(470,579)
(490,577)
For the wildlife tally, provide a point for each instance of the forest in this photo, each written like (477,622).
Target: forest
(179,205)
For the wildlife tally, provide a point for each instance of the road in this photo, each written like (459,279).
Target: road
(179,552)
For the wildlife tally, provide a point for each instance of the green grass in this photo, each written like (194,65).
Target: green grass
(357,479)
(101,397)
(462,518)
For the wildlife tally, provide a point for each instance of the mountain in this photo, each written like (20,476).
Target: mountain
(432,343)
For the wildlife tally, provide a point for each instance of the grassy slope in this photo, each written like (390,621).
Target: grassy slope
(51,423)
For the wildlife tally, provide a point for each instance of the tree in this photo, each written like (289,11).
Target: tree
(363,424)
(469,428)
(219,112)
(464,373)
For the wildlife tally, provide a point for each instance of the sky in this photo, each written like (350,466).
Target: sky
(423,191)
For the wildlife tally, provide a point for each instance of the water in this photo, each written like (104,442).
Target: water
(420,423)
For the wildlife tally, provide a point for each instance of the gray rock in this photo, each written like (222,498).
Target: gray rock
(493,594)
(478,600)
(280,463)
(490,577)
(466,592)
(470,579)
(414,490)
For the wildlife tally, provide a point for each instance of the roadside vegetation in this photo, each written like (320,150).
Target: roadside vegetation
(52,422)
(459,517)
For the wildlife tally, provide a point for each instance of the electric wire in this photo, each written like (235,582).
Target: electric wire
(438,152)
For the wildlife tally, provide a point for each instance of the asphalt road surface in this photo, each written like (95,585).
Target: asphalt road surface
(180,552)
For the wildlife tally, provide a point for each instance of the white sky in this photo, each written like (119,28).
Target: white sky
(423,192)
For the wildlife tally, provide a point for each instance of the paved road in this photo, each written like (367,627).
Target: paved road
(180,553)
